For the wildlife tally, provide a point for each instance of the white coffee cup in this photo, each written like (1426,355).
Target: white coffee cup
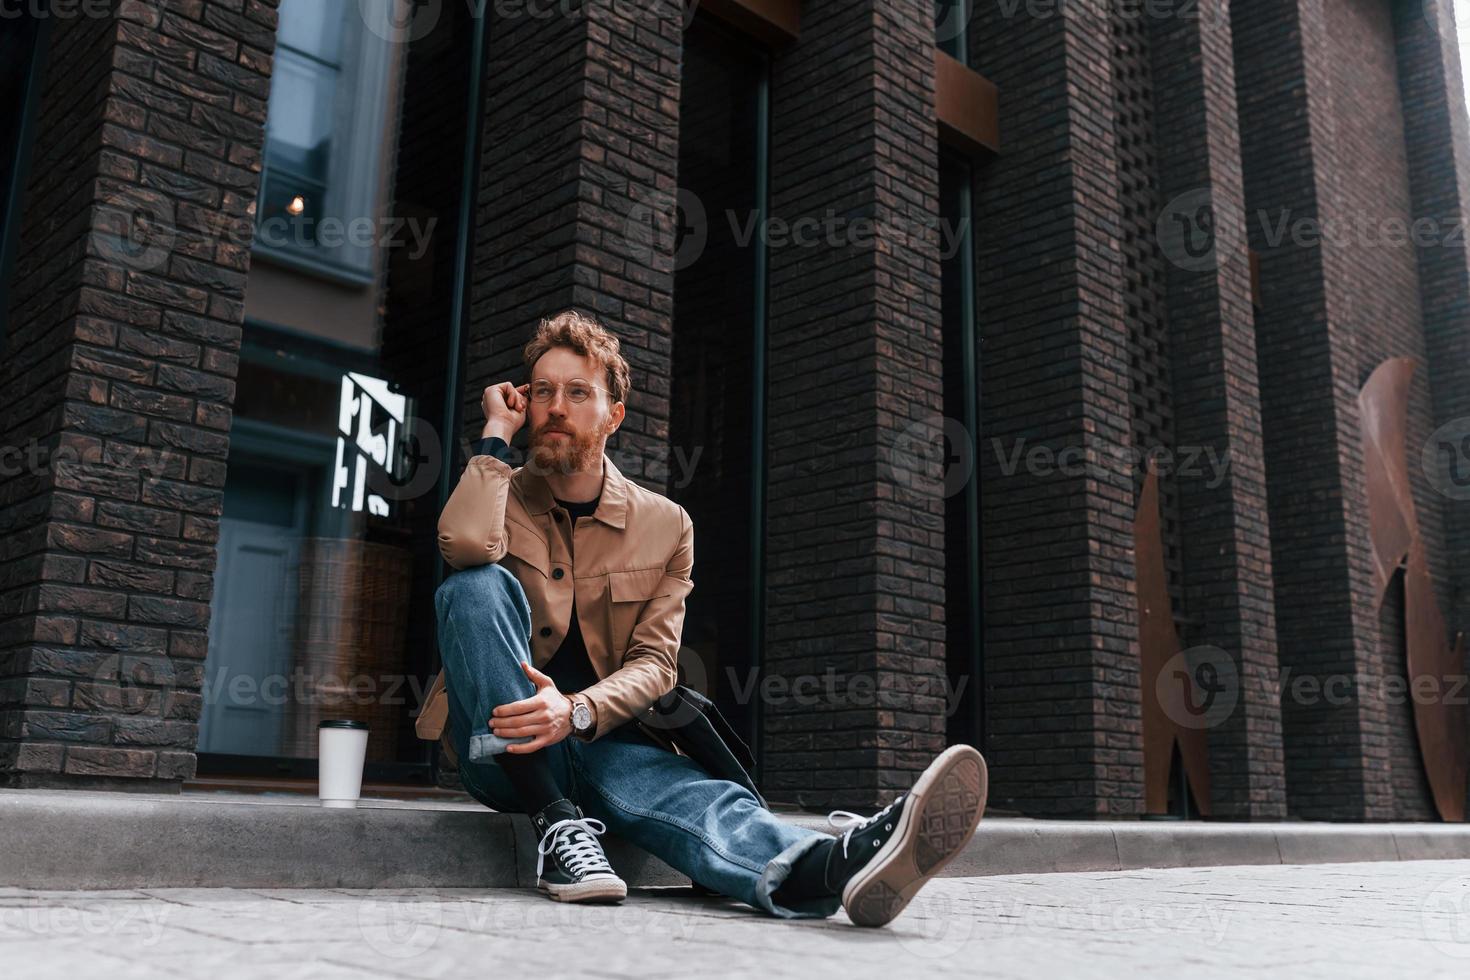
(341,752)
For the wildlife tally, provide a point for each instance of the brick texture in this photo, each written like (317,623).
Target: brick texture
(1061,632)
(1437,155)
(126,320)
(576,202)
(1225,538)
(1337,757)
(855,538)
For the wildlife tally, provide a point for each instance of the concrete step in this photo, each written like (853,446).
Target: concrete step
(77,839)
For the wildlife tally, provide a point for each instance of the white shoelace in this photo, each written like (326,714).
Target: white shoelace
(578,854)
(856,821)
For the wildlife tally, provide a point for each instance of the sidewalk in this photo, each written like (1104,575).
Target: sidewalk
(1408,919)
(88,840)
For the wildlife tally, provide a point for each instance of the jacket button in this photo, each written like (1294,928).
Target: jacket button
(557,572)
(546,631)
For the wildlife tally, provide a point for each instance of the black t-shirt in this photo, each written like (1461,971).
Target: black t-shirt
(569,667)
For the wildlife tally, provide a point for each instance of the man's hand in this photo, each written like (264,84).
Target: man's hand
(545,715)
(505,409)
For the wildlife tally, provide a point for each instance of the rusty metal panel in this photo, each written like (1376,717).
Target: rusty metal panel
(1392,523)
(1432,664)
(1158,643)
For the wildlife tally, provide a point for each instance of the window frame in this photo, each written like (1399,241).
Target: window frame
(355,164)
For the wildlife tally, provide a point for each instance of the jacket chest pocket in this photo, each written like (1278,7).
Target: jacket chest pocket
(529,548)
(628,591)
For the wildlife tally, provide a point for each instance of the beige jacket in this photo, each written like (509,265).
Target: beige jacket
(629,567)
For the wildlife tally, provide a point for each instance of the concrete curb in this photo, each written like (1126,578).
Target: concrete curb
(76,839)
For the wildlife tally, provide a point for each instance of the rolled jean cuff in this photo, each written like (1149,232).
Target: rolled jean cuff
(482,747)
(776,871)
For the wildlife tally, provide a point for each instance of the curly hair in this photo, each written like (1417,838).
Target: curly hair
(584,335)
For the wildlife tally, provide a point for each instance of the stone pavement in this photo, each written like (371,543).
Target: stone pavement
(1409,919)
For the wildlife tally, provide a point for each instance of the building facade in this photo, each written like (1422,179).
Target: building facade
(1012,359)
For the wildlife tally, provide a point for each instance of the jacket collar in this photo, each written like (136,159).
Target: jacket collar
(612,506)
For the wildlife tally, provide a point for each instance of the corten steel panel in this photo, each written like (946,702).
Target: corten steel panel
(1158,642)
(968,106)
(1392,525)
(772,21)
(1393,528)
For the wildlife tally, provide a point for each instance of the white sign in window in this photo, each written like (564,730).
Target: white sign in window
(370,424)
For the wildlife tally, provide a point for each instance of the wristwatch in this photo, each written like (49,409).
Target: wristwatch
(581,716)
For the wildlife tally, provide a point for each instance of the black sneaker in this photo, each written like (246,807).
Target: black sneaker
(578,870)
(882,861)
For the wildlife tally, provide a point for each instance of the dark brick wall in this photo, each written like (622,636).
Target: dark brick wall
(1225,537)
(1383,313)
(1337,759)
(126,359)
(855,574)
(578,179)
(1437,158)
(1061,634)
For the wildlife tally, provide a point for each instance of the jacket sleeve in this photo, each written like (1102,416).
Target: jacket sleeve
(472,525)
(650,666)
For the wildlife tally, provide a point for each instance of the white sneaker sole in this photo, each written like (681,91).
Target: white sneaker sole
(938,820)
(591,890)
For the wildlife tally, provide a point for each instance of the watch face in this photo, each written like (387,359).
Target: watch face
(581,716)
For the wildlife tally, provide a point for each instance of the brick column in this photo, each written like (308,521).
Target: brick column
(1438,153)
(1061,630)
(126,320)
(577,201)
(1224,533)
(1337,763)
(855,502)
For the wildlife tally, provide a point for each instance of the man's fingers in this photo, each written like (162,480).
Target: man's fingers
(520,731)
(517,707)
(535,745)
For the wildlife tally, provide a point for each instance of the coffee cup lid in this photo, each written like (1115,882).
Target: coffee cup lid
(342,723)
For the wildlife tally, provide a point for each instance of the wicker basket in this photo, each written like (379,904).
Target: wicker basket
(351,626)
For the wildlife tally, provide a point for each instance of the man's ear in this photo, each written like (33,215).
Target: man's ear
(615,417)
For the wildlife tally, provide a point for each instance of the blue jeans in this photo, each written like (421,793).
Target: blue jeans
(712,830)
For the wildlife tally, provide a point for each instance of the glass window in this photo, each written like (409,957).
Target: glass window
(22,39)
(951,21)
(962,609)
(327,558)
(713,470)
(323,138)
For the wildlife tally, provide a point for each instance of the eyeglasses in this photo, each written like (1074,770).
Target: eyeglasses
(578,390)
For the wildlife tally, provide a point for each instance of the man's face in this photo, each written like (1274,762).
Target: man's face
(566,437)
